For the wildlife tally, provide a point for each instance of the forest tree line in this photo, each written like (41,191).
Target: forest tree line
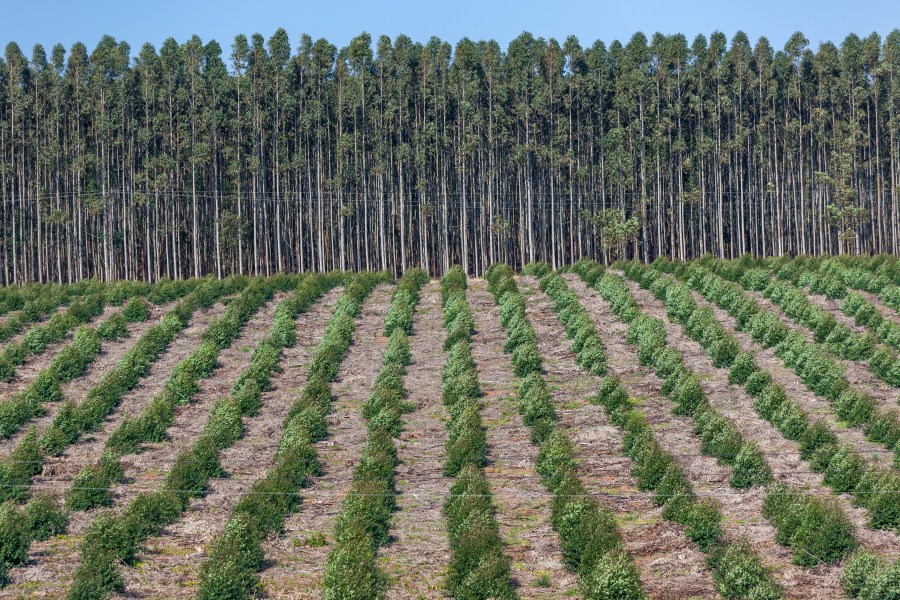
(193,159)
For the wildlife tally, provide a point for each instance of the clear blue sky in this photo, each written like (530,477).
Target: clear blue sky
(137,21)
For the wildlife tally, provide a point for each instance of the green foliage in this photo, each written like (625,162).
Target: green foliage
(739,573)
(113,328)
(15,536)
(89,489)
(45,517)
(868,577)
(613,577)
(136,310)
(749,468)
(703,524)
(816,528)
(742,368)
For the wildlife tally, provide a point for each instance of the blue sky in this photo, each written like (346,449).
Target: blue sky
(136,22)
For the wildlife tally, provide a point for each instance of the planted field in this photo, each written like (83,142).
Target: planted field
(713,429)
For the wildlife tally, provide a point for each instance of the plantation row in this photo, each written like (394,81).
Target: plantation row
(836,517)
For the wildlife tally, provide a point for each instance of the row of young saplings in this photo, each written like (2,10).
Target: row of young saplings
(737,571)
(70,362)
(589,537)
(478,568)
(236,554)
(814,527)
(26,459)
(834,277)
(836,338)
(363,525)
(819,373)
(114,538)
(75,420)
(85,301)
(845,470)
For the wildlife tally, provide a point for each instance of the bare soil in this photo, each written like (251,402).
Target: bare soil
(858,373)
(742,509)
(816,406)
(670,566)
(296,568)
(523,505)
(111,353)
(415,559)
(170,567)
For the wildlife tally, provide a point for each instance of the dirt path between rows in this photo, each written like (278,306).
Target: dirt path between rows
(33,364)
(816,406)
(523,505)
(857,372)
(145,471)
(110,355)
(742,509)
(782,455)
(670,566)
(416,558)
(170,567)
(296,569)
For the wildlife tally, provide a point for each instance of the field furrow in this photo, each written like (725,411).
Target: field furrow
(416,557)
(523,505)
(296,559)
(170,566)
(670,565)
(742,509)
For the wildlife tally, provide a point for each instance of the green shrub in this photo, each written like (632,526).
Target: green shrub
(883,584)
(45,517)
(703,524)
(15,536)
(845,470)
(750,468)
(234,558)
(743,366)
(352,570)
(397,349)
(817,435)
(858,571)
(824,534)
(613,577)
(739,573)
(790,420)
(525,359)
(89,489)
(757,382)
(113,328)
(688,396)
(724,351)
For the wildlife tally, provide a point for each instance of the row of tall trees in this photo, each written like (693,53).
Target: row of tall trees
(194,159)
